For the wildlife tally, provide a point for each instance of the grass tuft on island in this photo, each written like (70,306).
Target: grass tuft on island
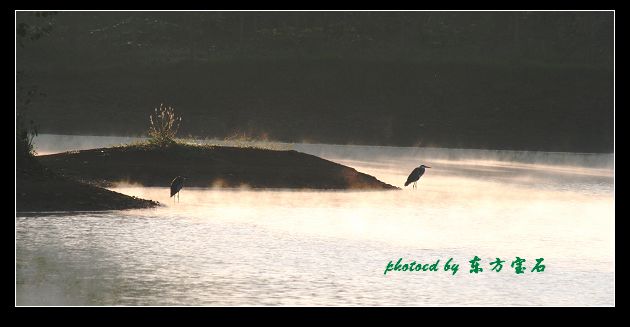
(208,166)
(39,189)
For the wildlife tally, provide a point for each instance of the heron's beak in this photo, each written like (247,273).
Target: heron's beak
(427,167)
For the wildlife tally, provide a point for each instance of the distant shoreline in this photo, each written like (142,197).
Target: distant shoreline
(287,143)
(445,105)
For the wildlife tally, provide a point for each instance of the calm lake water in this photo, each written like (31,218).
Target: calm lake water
(283,247)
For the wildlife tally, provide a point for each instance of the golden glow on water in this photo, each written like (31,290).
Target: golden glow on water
(504,217)
(282,247)
(444,212)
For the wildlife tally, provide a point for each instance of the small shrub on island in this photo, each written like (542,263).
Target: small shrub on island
(163,127)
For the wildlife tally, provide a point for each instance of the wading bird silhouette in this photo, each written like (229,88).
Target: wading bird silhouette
(415,175)
(176,186)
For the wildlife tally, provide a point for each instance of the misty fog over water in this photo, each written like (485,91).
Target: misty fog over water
(283,247)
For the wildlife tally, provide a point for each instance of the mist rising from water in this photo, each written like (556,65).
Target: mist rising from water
(241,246)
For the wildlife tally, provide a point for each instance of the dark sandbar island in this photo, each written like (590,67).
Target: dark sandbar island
(203,165)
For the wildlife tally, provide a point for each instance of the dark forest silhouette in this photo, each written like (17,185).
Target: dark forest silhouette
(502,80)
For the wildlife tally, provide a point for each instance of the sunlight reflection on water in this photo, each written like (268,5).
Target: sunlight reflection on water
(283,247)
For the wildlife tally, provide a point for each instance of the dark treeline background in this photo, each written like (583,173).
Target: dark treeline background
(502,80)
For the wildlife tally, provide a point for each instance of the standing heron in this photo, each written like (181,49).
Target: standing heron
(415,175)
(176,186)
